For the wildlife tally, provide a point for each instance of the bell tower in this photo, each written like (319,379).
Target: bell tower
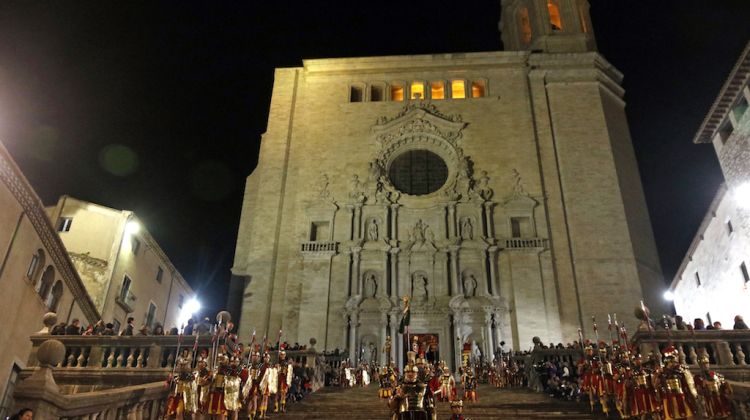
(553,26)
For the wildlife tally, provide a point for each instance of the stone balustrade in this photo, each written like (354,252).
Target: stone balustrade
(315,247)
(524,243)
(728,350)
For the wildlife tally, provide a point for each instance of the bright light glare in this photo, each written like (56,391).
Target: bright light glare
(669,295)
(132,227)
(742,194)
(189,309)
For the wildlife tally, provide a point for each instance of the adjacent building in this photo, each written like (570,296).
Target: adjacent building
(499,191)
(36,275)
(713,281)
(124,270)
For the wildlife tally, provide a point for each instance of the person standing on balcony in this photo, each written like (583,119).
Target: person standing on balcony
(129,328)
(739,323)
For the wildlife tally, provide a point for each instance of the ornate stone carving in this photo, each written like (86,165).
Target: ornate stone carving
(469,283)
(418,125)
(371,285)
(419,287)
(322,190)
(357,189)
(467,229)
(372,230)
(427,106)
(482,187)
(518,189)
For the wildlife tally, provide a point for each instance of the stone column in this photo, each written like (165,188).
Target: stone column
(394,221)
(488,228)
(383,334)
(498,336)
(358,221)
(494,281)
(393,279)
(345,332)
(355,271)
(351,222)
(394,335)
(455,281)
(459,342)
(353,324)
(489,346)
(451,207)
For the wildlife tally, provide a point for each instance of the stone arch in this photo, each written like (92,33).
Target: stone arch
(45,285)
(53,300)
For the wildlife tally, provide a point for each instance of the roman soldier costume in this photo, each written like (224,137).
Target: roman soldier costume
(284,371)
(269,384)
(447,385)
(184,396)
(470,384)
(408,403)
(232,384)
(250,393)
(203,382)
(678,389)
(714,390)
(457,410)
(643,397)
(215,404)
(387,382)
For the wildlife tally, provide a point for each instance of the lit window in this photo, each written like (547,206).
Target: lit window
(397,92)
(458,89)
(355,94)
(376,93)
(554,15)
(437,90)
(477,89)
(745,274)
(64,224)
(417,90)
(525,25)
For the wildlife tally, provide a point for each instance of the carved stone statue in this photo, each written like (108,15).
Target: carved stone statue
(419,286)
(483,186)
(470,285)
(356,189)
(372,230)
(518,190)
(467,229)
(371,286)
(323,192)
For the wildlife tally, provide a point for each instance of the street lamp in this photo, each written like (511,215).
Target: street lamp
(742,194)
(189,308)
(132,227)
(669,295)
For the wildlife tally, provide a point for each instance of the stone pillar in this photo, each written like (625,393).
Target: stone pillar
(344,339)
(353,323)
(356,278)
(498,336)
(393,278)
(358,221)
(489,232)
(494,280)
(394,221)
(489,346)
(459,342)
(455,281)
(451,208)
(394,336)
(383,334)
(351,223)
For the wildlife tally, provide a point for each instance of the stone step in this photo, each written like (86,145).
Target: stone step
(364,404)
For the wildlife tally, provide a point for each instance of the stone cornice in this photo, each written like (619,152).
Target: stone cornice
(13,178)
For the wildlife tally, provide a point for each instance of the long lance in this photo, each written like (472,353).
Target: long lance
(624,335)
(195,350)
(278,342)
(596,330)
(214,346)
(609,327)
(176,355)
(617,329)
(252,342)
(580,340)
(265,342)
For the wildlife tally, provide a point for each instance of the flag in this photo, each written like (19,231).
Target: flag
(406,318)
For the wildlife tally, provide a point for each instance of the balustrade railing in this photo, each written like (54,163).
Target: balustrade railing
(523,243)
(315,246)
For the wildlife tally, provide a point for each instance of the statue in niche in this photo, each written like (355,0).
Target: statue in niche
(371,286)
(518,190)
(419,285)
(470,285)
(483,186)
(323,192)
(372,230)
(467,229)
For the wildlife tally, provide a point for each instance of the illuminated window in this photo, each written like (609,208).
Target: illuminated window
(458,89)
(376,93)
(397,92)
(525,25)
(63,225)
(417,90)
(477,89)
(554,15)
(437,90)
(355,94)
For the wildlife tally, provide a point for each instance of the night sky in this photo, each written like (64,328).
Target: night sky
(159,108)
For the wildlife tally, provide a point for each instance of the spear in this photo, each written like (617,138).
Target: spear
(609,327)
(252,341)
(176,355)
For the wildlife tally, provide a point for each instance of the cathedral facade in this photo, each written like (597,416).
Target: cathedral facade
(499,191)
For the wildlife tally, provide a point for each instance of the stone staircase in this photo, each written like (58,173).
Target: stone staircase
(363,403)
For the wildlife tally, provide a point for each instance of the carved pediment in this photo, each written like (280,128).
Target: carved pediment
(418,118)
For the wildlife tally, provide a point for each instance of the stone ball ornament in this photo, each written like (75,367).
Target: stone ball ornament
(49,320)
(50,353)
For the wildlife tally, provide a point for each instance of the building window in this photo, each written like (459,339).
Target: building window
(159,274)
(355,94)
(151,314)
(33,265)
(554,15)
(418,172)
(180,301)
(53,300)
(697,279)
(477,89)
(125,289)
(135,245)
(458,89)
(46,284)
(520,227)
(319,231)
(745,275)
(376,93)
(417,90)
(63,225)
(730,228)
(10,389)
(437,90)
(725,131)
(740,109)
(397,92)
(524,25)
